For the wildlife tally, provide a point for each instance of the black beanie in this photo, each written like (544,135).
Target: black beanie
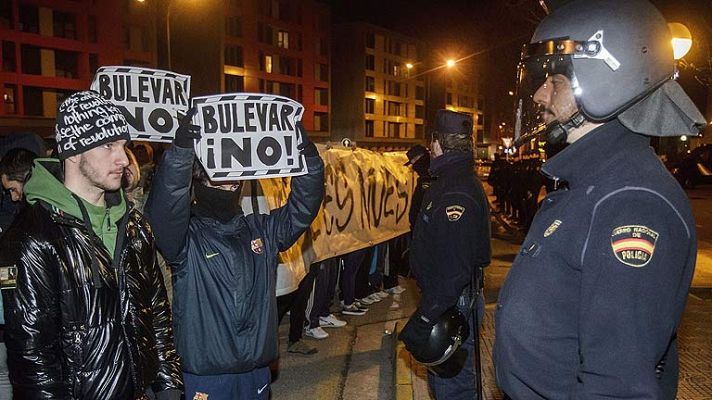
(86,120)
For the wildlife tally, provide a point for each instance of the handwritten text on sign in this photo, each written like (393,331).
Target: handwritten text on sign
(248,136)
(151,100)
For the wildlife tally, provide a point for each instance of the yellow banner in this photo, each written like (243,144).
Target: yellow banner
(366,202)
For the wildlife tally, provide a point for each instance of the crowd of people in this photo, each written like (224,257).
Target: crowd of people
(95,240)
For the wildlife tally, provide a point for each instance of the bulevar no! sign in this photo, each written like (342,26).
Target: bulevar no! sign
(151,100)
(248,136)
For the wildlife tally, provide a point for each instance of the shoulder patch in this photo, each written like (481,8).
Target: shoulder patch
(552,228)
(454,212)
(634,245)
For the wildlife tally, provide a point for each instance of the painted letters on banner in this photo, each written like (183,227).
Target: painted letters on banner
(367,199)
(248,136)
(152,100)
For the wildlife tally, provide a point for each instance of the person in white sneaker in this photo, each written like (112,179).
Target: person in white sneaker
(316,333)
(330,321)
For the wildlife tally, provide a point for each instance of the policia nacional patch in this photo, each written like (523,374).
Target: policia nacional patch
(454,212)
(634,245)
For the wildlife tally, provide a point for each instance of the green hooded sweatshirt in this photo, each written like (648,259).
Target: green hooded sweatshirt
(44,185)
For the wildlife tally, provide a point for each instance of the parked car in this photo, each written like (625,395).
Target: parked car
(695,168)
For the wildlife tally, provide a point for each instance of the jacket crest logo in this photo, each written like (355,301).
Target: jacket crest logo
(257,246)
(200,396)
(454,212)
(552,228)
(634,245)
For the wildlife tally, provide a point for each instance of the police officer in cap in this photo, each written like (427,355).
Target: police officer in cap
(592,303)
(451,244)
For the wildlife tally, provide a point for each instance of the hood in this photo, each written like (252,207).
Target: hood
(44,184)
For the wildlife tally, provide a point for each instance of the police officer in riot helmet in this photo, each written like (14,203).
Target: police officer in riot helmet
(451,243)
(591,305)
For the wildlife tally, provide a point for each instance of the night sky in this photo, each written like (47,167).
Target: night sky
(496,29)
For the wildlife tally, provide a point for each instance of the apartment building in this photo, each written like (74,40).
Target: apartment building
(51,49)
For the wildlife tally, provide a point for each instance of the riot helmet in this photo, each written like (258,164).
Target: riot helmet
(446,337)
(595,60)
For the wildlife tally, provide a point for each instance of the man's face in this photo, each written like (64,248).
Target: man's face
(103,166)
(228,187)
(556,97)
(14,187)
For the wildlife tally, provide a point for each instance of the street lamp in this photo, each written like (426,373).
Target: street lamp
(450,63)
(681,39)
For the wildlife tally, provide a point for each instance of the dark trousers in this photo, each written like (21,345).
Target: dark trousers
(326,276)
(352,263)
(249,385)
(296,303)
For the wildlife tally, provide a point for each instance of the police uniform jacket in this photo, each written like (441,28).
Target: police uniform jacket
(593,300)
(224,273)
(452,233)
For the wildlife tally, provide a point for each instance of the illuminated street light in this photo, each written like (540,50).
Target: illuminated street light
(681,39)
(511,93)
(450,63)
(409,65)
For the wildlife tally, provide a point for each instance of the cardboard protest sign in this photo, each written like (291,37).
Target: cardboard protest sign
(151,100)
(248,136)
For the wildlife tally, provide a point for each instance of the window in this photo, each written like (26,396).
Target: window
(322,47)
(234,83)
(5,14)
(321,72)
(370,40)
(449,98)
(31,60)
(480,136)
(321,122)
(369,129)
(93,63)
(419,111)
(283,39)
(393,129)
(280,88)
(32,101)
(65,64)
(268,64)
(370,84)
(321,96)
(9,61)
(91,28)
(394,88)
(370,106)
(394,108)
(419,93)
(233,55)
(370,62)
(8,96)
(64,24)
(29,19)
(233,26)
(419,131)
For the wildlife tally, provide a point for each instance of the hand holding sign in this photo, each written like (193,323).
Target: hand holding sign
(187,133)
(249,136)
(306,148)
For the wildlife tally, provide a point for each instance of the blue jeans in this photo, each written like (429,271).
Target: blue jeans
(5,387)
(462,385)
(253,385)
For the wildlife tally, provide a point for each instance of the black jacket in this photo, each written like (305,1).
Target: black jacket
(68,339)
(224,274)
(593,300)
(452,233)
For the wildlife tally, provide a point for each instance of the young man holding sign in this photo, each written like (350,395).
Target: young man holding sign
(224,267)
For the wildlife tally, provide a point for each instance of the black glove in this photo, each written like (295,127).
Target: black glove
(187,133)
(416,332)
(306,148)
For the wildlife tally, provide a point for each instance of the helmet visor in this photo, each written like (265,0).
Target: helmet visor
(546,90)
